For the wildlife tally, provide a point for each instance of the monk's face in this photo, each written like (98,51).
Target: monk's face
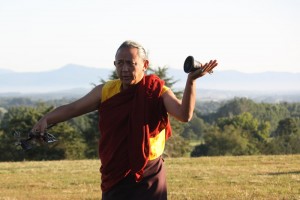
(130,66)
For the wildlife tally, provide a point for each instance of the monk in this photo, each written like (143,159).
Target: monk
(134,124)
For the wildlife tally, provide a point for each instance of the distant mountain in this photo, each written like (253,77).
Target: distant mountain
(77,80)
(68,77)
(5,71)
(238,81)
(262,87)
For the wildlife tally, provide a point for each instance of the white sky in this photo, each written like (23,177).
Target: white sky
(243,35)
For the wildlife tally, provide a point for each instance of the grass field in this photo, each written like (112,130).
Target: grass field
(245,177)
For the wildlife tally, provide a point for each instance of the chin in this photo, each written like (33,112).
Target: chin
(128,82)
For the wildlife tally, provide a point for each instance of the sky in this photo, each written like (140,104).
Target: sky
(245,35)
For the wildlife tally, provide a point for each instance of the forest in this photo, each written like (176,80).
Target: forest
(239,126)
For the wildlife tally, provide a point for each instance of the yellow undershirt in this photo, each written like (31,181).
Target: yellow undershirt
(157,143)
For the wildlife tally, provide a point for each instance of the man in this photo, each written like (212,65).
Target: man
(133,121)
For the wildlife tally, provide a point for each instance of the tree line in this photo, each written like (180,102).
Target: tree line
(244,127)
(235,127)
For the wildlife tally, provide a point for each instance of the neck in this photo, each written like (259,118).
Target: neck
(127,86)
(124,87)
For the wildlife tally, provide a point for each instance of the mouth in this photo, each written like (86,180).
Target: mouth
(126,78)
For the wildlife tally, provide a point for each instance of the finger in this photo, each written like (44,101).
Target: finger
(38,129)
(207,66)
(212,64)
(35,129)
(43,129)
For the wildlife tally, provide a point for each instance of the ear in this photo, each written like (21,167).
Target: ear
(146,65)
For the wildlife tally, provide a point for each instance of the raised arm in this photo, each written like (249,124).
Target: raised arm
(88,103)
(183,109)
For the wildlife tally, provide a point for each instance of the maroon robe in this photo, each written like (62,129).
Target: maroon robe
(127,121)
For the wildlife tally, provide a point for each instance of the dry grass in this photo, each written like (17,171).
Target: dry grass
(245,177)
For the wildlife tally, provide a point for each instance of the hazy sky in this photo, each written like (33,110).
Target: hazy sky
(243,35)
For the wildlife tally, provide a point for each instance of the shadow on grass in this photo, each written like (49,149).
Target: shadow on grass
(281,173)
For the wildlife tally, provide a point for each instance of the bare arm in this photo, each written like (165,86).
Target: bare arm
(183,110)
(88,103)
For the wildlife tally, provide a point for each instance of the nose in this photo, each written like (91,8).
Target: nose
(125,67)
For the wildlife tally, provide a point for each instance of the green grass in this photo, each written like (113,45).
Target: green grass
(244,177)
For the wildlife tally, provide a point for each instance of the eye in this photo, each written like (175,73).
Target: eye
(130,63)
(119,63)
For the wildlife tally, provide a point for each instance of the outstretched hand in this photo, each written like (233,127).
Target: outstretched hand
(40,127)
(204,69)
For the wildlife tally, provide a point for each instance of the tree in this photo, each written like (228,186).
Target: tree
(195,129)
(15,119)
(264,112)
(113,76)
(238,135)
(21,119)
(286,138)
(161,72)
(2,112)
(272,113)
(87,126)
(176,146)
(253,129)
(286,127)
(227,142)
(294,108)
(235,107)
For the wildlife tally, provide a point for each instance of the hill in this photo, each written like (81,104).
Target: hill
(76,80)
(68,77)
